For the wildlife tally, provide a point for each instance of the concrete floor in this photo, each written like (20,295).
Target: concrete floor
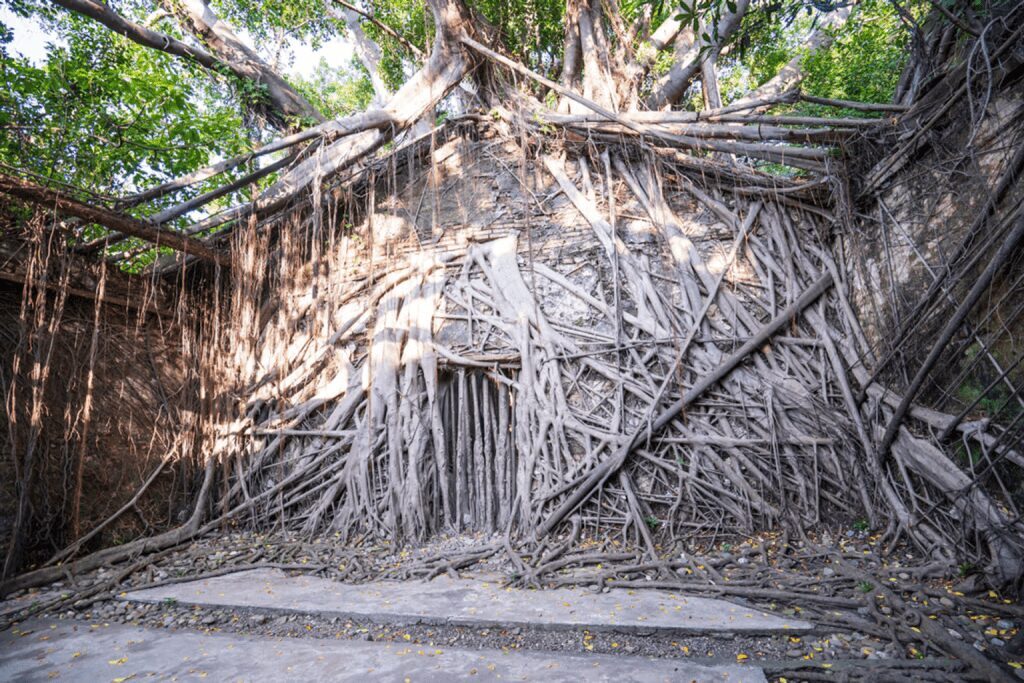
(41,650)
(465,602)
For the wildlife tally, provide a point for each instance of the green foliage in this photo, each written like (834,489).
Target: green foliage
(863,63)
(336,95)
(865,60)
(861,525)
(269,21)
(865,587)
(410,20)
(532,30)
(107,115)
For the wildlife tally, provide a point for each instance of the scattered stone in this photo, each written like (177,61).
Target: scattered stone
(258,619)
(1004,624)
(946,602)
(828,571)
(956,634)
(998,642)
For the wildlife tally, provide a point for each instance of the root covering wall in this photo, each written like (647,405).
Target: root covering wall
(589,294)
(92,415)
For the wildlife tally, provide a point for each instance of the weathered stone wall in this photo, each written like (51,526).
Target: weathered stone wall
(137,399)
(906,234)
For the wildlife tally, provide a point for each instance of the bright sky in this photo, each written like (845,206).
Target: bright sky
(31,41)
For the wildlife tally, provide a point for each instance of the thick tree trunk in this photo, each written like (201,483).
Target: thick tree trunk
(691,55)
(447,66)
(197,17)
(793,72)
(368,53)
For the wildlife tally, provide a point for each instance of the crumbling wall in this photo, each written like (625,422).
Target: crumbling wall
(908,231)
(138,395)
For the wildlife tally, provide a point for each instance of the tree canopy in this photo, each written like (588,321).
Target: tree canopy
(112,116)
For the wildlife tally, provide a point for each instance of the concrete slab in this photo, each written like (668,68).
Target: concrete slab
(31,599)
(465,602)
(45,651)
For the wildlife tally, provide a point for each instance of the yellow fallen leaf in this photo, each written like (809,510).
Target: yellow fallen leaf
(117,662)
(740,657)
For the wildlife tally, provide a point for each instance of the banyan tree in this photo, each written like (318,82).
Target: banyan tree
(562,283)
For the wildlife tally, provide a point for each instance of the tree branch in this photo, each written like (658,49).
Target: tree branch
(52,199)
(285,100)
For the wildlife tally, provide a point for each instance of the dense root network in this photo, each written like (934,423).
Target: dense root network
(599,321)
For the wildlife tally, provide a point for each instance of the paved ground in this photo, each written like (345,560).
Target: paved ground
(466,602)
(43,650)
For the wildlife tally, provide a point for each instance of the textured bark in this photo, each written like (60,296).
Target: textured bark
(691,54)
(197,17)
(445,69)
(54,200)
